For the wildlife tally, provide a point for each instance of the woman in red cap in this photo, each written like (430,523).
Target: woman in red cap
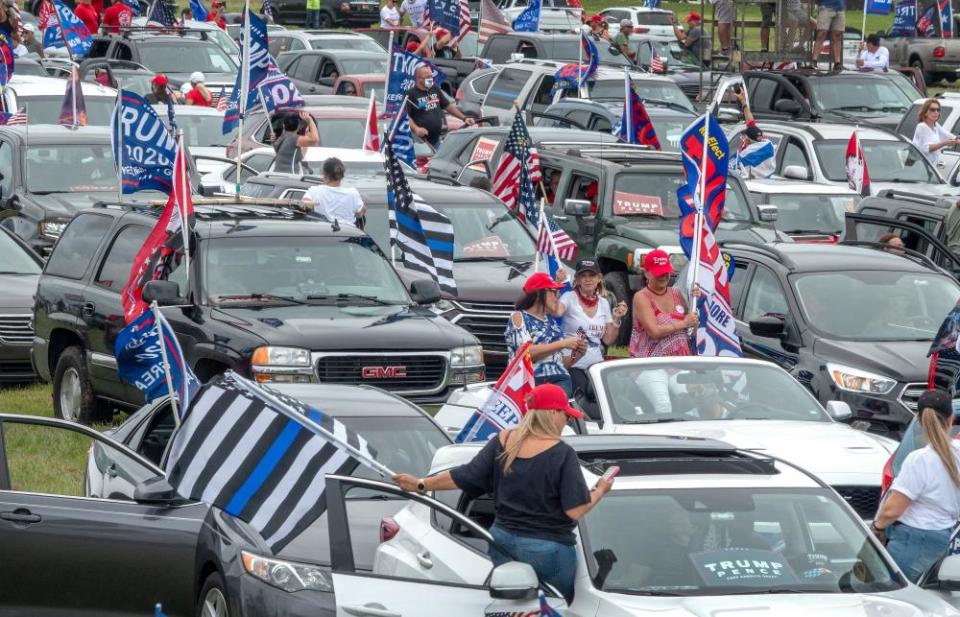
(538,489)
(536,320)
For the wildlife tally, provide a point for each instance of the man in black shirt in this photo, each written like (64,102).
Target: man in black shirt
(425,104)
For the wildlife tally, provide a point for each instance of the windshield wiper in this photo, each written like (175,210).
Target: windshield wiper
(660,420)
(669,104)
(349,296)
(12,272)
(259,297)
(773,590)
(478,258)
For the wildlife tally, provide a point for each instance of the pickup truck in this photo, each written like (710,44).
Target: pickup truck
(936,58)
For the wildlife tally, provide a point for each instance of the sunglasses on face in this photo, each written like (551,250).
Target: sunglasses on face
(936,109)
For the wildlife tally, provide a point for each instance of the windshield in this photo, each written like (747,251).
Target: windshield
(339,132)
(810,213)
(669,130)
(676,55)
(649,194)
(299,269)
(612,90)
(860,94)
(201,130)
(400,442)
(354,43)
(70,169)
(359,66)
(910,305)
(727,391)
(721,541)
(15,260)
(203,57)
(888,161)
(46,109)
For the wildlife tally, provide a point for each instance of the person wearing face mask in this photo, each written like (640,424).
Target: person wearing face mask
(426,104)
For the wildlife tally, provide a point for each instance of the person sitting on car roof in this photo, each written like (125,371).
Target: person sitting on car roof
(873,57)
(160,91)
(335,202)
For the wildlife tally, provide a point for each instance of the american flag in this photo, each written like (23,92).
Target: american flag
(268,9)
(160,14)
(492,21)
(519,157)
(44,15)
(465,22)
(220,100)
(13,119)
(657,65)
(551,240)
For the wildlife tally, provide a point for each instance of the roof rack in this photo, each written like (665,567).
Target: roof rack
(911,254)
(916,198)
(239,201)
(768,249)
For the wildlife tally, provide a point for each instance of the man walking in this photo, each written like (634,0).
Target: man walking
(830,20)
(426,104)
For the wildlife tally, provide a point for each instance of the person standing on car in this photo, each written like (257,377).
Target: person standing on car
(873,57)
(117,16)
(442,48)
(586,314)
(538,489)
(215,15)
(389,15)
(831,19)
(289,144)
(622,40)
(333,201)
(723,13)
(535,320)
(929,136)
(426,104)
(923,504)
(416,10)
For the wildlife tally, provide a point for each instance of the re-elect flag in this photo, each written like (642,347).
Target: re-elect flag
(507,403)
(143,149)
(717,164)
(878,7)
(73,32)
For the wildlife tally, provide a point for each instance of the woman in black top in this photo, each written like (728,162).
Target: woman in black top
(538,489)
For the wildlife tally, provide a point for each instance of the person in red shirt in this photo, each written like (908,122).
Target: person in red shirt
(118,16)
(216,14)
(199,94)
(88,15)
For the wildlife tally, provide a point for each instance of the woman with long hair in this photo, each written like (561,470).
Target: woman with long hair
(535,320)
(538,489)
(929,136)
(923,505)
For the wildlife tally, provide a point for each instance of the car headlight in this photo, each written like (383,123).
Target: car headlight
(286,575)
(280,356)
(855,380)
(52,229)
(470,355)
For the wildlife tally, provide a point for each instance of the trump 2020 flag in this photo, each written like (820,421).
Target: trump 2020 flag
(400,138)
(878,7)
(141,349)
(858,176)
(635,126)
(529,19)
(403,71)
(143,149)
(256,67)
(199,11)
(278,92)
(571,76)
(904,18)
(507,403)
(67,29)
(262,456)
(445,14)
(715,182)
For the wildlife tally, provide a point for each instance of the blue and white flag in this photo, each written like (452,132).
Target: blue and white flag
(529,19)
(904,18)
(754,160)
(140,360)
(143,149)
(878,7)
(262,456)
(403,72)
(199,11)
(400,137)
(74,32)
(257,69)
(278,92)
(445,14)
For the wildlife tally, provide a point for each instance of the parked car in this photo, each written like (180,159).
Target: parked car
(333,13)
(949,119)
(806,211)
(937,57)
(645,20)
(132,76)
(359,85)
(340,126)
(300,40)
(42,99)
(283,297)
(316,71)
(913,439)
(20,270)
(202,128)
(218,174)
(834,317)
(204,30)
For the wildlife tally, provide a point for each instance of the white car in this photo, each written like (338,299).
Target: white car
(555,15)
(949,119)
(202,128)
(645,20)
(42,98)
(806,211)
(692,527)
(218,173)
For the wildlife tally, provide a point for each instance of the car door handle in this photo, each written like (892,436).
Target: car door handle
(20,515)
(424,560)
(112,470)
(370,610)
(89,308)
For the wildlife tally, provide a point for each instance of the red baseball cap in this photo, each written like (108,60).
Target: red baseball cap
(596,19)
(439,33)
(657,263)
(694,16)
(538,281)
(551,397)
(412,46)
(161,79)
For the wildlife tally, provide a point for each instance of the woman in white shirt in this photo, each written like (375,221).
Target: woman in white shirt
(923,505)
(333,201)
(586,313)
(929,137)
(389,15)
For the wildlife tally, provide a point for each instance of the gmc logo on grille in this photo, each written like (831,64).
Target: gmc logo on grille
(383,372)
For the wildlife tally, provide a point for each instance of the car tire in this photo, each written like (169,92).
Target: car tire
(73,396)
(616,283)
(326,20)
(212,601)
(918,64)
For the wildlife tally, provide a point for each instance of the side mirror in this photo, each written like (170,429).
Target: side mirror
(614,50)
(767,212)
(513,581)
(163,292)
(157,492)
(787,106)
(796,172)
(576,207)
(767,326)
(839,410)
(425,291)
(948,573)
(728,115)
(517,57)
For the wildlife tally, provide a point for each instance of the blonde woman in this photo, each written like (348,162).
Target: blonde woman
(930,137)
(923,505)
(538,489)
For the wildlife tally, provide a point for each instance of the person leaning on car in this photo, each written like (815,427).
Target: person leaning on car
(538,489)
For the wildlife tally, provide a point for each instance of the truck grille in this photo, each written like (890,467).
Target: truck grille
(863,499)
(397,373)
(911,395)
(15,329)
(487,321)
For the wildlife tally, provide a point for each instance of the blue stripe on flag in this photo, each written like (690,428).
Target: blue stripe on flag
(264,468)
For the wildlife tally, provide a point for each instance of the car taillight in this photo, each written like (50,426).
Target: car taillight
(887,478)
(388,529)
(459,95)
(939,51)
(423,164)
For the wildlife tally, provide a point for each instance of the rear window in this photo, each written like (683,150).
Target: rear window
(506,88)
(909,123)
(76,246)
(653,19)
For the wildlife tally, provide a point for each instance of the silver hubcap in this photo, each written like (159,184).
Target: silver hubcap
(214,605)
(70,394)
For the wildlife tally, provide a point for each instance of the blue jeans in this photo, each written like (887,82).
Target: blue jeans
(563,381)
(313,18)
(553,562)
(915,550)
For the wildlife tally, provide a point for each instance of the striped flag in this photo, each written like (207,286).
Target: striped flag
(858,177)
(220,100)
(424,235)
(553,241)
(519,154)
(13,119)
(657,65)
(261,456)
(492,21)
(465,21)
(268,10)
(44,15)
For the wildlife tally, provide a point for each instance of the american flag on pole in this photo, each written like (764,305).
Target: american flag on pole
(553,241)
(220,100)
(519,156)
(657,65)
(465,21)
(44,15)
(13,119)
(492,21)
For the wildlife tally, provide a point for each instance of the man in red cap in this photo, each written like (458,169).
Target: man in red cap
(693,39)
(416,47)
(216,14)
(442,48)
(160,92)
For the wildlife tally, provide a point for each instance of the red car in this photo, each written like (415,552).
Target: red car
(359,85)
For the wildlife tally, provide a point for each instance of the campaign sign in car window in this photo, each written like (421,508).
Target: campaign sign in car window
(742,566)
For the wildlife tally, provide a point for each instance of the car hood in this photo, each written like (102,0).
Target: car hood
(499,282)
(656,232)
(883,120)
(833,451)
(18,290)
(353,328)
(904,361)
(67,205)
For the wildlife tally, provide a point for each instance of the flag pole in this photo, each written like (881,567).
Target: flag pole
(698,204)
(63,33)
(269,121)
(863,28)
(580,67)
(168,377)
(119,128)
(540,221)
(185,191)
(386,83)
(244,87)
(75,81)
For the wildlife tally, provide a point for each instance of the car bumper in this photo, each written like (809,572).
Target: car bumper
(943,67)
(257,598)
(15,364)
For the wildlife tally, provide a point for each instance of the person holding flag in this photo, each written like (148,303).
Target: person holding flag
(160,92)
(930,137)
(290,144)
(538,489)
(872,56)
(756,154)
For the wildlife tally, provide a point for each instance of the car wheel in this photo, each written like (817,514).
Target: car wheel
(616,284)
(73,397)
(213,598)
(918,64)
(326,21)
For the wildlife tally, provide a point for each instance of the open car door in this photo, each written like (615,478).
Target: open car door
(867,228)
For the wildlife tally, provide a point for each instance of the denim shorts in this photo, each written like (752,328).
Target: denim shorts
(915,550)
(553,562)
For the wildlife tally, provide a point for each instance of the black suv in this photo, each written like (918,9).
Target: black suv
(272,293)
(333,13)
(852,323)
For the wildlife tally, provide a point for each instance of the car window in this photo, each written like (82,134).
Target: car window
(737,279)
(543,95)
(887,160)
(307,68)
(765,296)
(77,246)
(115,269)
(498,49)
(296,44)
(762,98)
(123,52)
(152,444)
(6,170)
(292,67)
(482,83)
(276,45)
(479,510)
(504,91)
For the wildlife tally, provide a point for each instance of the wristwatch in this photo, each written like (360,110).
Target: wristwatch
(421,487)
(874,527)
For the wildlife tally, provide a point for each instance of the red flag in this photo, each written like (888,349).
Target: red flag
(507,403)
(858,177)
(371,135)
(44,15)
